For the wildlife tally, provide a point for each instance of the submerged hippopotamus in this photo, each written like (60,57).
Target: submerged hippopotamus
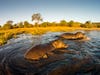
(76,36)
(42,50)
(13,59)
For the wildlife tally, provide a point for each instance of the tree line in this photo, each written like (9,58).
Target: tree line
(37,18)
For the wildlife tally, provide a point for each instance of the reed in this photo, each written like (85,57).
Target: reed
(12,33)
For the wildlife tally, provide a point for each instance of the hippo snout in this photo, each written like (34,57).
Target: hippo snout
(66,45)
(88,38)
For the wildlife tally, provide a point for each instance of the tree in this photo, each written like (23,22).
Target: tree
(45,24)
(82,25)
(88,24)
(37,17)
(54,24)
(76,24)
(9,22)
(20,25)
(27,24)
(63,23)
(0,27)
(70,24)
(96,24)
(15,26)
(8,25)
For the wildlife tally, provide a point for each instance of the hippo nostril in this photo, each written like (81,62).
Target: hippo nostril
(88,38)
(66,46)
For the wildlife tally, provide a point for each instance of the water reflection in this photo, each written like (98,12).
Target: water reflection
(85,60)
(93,34)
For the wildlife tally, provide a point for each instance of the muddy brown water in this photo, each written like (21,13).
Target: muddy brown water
(81,58)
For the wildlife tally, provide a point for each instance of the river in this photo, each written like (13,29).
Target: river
(83,60)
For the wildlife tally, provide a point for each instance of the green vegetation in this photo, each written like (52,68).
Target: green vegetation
(10,30)
(64,23)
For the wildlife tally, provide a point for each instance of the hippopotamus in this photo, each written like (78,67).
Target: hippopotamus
(76,36)
(14,58)
(14,62)
(42,50)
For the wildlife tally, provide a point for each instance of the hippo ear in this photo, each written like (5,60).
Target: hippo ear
(45,56)
(83,33)
(54,44)
(28,53)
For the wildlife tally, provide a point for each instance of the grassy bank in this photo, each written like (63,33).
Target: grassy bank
(11,33)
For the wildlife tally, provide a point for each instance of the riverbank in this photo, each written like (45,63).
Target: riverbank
(5,35)
(84,59)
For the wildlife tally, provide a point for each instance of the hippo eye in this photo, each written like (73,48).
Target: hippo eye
(55,43)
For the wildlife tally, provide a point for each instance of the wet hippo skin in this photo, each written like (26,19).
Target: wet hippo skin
(41,50)
(80,62)
(74,36)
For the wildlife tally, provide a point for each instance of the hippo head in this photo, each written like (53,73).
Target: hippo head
(82,36)
(59,44)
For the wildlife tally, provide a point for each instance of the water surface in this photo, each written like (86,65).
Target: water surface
(84,59)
